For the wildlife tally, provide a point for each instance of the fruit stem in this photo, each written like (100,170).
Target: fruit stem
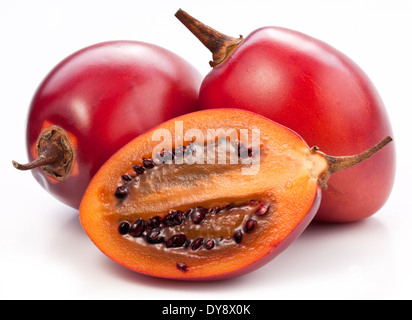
(38,162)
(336,164)
(219,44)
(55,154)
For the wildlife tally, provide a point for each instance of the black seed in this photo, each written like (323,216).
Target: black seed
(263,209)
(168,219)
(138,228)
(178,217)
(121,191)
(154,222)
(155,236)
(173,218)
(250,225)
(176,241)
(124,228)
(209,244)
(126,178)
(180,240)
(148,163)
(197,243)
(182,266)
(198,215)
(238,236)
(138,169)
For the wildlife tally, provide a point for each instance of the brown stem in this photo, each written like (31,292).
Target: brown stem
(336,164)
(341,163)
(55,154)
(218,43)
(36,163)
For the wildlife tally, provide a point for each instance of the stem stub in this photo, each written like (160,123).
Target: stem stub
(335,164)
(55,154)
(218,43)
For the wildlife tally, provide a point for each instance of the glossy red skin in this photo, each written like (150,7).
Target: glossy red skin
(104,96)
(317,91)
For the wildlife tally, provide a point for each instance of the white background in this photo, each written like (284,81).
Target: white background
(44,252)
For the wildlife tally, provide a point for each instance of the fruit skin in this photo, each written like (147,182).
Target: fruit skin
(103,96)
(317,91)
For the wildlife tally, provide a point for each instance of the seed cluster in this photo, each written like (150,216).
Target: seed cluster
(166,156)
(122,191)
(155,229)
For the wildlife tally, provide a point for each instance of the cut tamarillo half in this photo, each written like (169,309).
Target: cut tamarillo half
(208,195)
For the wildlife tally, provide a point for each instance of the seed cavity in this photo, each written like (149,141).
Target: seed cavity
(167,157)
(198,227)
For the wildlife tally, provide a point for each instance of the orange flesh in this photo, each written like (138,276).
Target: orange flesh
(285,179)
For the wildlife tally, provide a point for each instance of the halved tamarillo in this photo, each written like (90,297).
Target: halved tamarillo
(208,195)
(313,89)
(94,102)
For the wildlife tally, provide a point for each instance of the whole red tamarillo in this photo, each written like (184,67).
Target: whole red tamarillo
(97,100)
(313,89)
